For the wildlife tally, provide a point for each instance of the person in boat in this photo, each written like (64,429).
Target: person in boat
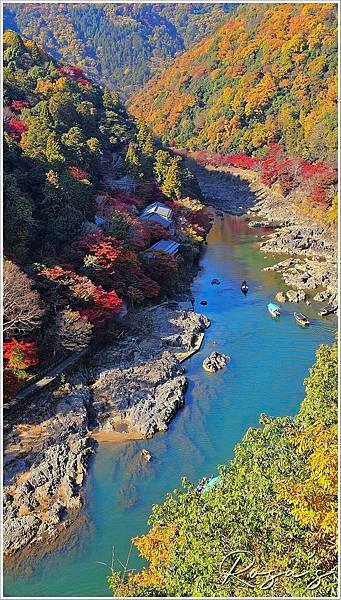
(244,287)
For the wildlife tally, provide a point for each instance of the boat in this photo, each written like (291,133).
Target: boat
(301,319)
(327,310)
(274,310)
(206,483)
(244,288)
(210,483)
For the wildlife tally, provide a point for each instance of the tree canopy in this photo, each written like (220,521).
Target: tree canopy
(274,508)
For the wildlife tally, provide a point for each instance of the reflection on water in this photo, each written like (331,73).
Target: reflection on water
(269,360)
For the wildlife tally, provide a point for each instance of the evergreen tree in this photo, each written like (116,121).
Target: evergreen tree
(18,219)
(39,127)
(145,139)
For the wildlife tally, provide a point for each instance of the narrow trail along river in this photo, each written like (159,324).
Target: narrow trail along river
(269,360)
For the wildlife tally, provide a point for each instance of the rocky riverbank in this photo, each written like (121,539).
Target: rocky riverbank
(131,388)
(312,247)
(139,383)
(312,266)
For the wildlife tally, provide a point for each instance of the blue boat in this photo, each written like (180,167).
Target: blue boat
(274,310)
(211,482)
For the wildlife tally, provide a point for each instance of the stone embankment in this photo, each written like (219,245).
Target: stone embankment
(131,388)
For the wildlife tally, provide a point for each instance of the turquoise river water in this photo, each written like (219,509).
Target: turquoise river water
(269,360)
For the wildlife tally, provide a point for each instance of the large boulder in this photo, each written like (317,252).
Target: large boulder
(281,297)
(215,361)
(296,295)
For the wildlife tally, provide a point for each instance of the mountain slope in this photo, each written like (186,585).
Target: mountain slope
(78,170)
(267,75)
(112,40)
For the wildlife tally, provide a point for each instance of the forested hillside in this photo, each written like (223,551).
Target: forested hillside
(120,45)
(268,75)
(78,172)
(269,526)
(259,94)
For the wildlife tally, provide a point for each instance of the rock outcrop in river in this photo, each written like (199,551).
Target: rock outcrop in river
(215,361)
(135,384)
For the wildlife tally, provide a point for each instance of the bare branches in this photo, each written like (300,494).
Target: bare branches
(22,312)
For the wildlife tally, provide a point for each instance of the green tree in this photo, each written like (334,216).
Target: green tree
(74,141)
(39,128)
(133,161)
(161,165)
(144,138)
(62,108)
(321,399)
(172,184)
(53,149)
(119,227)
(18,219)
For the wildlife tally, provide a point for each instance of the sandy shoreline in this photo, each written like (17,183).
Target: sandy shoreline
(116,436)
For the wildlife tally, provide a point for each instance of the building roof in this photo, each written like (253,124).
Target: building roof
(156,218)
(168,246)
(159,209)
(99,220)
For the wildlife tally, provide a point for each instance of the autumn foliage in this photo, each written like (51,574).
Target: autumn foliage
(79,238)
(20,356)
(16,128)
(267,76)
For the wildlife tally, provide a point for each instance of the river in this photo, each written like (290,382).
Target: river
(269,360)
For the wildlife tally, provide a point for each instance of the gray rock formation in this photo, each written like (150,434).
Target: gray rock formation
(154,413)
(296,295)
(46,458)
(139,383)
(215,361)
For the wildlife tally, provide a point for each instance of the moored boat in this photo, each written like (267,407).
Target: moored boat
(210,483)
(301,319)
(329,309)
(274,310)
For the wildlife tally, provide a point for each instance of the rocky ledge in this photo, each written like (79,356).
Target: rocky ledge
(306,275)
(139,385)
(47,449)
(135,384)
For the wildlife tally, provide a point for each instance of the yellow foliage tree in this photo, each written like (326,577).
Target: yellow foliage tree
(314,497)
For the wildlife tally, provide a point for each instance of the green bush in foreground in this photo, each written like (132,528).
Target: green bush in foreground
(273,516)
